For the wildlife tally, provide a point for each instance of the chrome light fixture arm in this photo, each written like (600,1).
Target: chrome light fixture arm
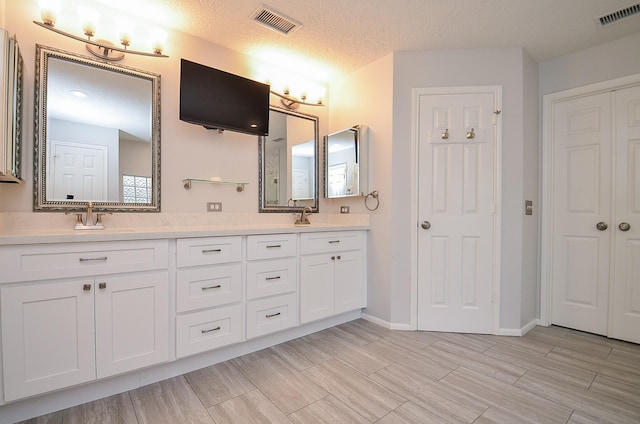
(105,49)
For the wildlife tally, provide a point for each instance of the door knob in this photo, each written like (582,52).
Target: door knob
(602,226)
(425,225)
(624,226)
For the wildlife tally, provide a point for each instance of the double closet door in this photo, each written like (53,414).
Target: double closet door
(595,230)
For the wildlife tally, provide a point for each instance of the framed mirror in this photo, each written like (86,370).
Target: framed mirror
(97,135)
(346,166)
(288,161)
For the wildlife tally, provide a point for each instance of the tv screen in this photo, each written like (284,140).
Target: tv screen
(219,100)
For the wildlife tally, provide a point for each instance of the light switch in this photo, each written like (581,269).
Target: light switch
(528,207)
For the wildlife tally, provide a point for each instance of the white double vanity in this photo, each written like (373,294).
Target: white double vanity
(88,314)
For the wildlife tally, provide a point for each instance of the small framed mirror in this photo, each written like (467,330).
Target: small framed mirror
(346,163)
(97,135)
(288,160)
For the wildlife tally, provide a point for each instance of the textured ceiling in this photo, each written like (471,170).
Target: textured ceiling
(343,35)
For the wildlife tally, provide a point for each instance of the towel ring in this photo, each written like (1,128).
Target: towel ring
(373,194)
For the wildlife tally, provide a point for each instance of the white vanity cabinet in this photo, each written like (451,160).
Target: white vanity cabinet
(331,274)
(75,312)
(208,293)
(272,283)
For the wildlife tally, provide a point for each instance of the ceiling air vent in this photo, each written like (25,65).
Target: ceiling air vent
(618,15)
(275,20)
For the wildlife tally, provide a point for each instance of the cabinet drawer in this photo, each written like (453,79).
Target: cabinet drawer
(268,278)
(271,246)
(49,261)
(265,316)
(200,288)
(201,331)
(208,251)
(330,242)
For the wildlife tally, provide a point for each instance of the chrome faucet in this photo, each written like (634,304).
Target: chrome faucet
(303,219)
(88,223)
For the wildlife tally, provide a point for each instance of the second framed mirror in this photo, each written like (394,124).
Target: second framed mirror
(346,167)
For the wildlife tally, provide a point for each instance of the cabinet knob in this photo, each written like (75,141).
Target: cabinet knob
(601,226)
(102,285)
(425,225)
(624,226)
(86,287)
(333,258)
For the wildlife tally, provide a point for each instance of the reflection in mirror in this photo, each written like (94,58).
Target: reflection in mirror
(289,162)
(346,164)
(97,134)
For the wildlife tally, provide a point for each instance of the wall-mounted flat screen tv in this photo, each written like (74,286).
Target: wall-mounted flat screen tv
(219,100)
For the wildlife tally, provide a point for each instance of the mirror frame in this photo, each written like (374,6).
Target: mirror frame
(261,164)
(40,202)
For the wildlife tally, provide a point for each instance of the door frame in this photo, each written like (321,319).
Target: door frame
(546,197)
(496,90)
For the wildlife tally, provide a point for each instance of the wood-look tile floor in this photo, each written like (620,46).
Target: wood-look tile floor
(359,372)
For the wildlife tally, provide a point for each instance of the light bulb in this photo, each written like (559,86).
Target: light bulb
(158,38)
(49,10)
(125,31)
(89,19)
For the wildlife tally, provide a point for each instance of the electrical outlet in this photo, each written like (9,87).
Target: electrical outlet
(344,209)
(528,207)
(214,206)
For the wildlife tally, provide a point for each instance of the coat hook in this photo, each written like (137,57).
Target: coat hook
(445,134)
(471,134)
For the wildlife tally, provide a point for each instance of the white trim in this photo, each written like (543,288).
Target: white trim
(518,332)
(546,198)
(387,324)
(496,90)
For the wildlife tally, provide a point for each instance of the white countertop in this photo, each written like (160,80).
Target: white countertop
(48,228)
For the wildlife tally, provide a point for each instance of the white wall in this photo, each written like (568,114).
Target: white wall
(450,68)
(187,151)
(600,63)
(365,97)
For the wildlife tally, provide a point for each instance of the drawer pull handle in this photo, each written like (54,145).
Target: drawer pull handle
(272,278)
(102,258)
(210,330)
(211,250)
(334,241)
(212,287)
(86,287)
(272,315)
(102,285)
(272,246)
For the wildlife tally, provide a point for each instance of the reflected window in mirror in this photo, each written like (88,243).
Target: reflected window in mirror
(346,162)
(289,162)
(97,124)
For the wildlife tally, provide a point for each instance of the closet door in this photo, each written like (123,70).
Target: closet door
(626,227)
(582,223)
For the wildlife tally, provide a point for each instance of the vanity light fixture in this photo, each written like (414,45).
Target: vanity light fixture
(49,10)
(291,102)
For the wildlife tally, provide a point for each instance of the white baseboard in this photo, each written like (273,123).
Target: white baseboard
(518,332)
(387,324)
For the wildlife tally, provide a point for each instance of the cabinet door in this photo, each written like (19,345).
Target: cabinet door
(349,281)
(132,322)
(316,287)
(48,339)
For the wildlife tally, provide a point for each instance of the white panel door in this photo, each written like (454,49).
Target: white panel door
(456,208)
(582,218)
(132,322)
(47,337)
(626,287)
(317,289)
(79,170)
